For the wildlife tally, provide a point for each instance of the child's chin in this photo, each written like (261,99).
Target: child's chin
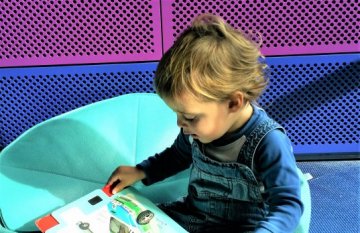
(195,136)
(202,140)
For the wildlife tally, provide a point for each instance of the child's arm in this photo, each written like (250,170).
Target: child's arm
(169,162)
(124,176)
(277,168)
(155,168)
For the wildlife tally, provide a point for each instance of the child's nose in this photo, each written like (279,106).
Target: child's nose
(181,123)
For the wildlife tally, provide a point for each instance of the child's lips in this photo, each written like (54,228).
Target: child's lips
(189,133)
(186,132)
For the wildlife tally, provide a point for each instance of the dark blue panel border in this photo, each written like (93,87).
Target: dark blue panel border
(76,69)
(313,59)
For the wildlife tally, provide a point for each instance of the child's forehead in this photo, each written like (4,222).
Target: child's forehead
(186,104)
(182,104)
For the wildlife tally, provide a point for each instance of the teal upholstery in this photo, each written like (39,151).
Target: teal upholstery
(68,156)
(304,224)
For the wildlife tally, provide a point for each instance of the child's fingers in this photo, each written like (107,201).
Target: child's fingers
(115,185)
(114,177)
(118,187)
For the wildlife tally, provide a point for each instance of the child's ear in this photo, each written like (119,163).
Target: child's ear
(236,101)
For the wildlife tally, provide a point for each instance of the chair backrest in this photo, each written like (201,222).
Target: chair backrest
(65,157)
(305,219)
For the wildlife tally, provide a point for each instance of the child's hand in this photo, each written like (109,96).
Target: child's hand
(124,176)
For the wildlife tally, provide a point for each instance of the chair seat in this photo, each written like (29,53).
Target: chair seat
(68,156)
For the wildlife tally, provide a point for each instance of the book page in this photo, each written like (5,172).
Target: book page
(125,212)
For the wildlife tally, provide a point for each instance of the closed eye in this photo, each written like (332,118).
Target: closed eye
(190,119)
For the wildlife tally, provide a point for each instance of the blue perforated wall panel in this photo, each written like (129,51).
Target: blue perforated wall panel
(31,95)
(316,98)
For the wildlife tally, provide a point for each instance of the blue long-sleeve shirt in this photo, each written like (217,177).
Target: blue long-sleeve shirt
(274,165)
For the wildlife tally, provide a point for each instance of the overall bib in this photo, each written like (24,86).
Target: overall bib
(224,196)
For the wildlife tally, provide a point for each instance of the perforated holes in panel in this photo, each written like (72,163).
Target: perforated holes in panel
(315,98)
(68,32)
(31,95)
(286,27)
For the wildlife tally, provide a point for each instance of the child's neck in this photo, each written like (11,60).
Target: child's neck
(242,116)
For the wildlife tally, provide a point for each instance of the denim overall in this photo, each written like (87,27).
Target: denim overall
(225,197)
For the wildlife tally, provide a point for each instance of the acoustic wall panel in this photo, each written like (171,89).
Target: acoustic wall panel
(286,27)
(317,100)
(79,32)
(31,95)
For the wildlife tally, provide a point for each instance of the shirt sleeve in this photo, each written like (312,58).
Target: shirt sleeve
(169,162)
(276,167)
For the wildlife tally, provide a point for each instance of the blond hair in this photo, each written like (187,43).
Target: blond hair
(211,60)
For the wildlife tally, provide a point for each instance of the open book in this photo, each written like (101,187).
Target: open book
(100,212)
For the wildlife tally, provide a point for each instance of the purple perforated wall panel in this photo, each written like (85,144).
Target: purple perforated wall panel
(78,32)
(286,27)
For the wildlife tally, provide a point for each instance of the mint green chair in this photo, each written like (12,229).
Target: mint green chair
(68,156)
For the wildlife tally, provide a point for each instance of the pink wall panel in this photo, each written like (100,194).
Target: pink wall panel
(287,27)
(81,32)
(34,32)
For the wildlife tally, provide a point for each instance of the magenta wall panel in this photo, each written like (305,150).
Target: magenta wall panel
(287,26)
(34,32)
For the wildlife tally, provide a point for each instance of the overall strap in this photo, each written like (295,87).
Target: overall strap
(247,151)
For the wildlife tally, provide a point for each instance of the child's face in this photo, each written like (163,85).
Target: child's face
(205,121)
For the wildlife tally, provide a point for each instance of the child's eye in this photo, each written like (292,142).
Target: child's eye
(190,119)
